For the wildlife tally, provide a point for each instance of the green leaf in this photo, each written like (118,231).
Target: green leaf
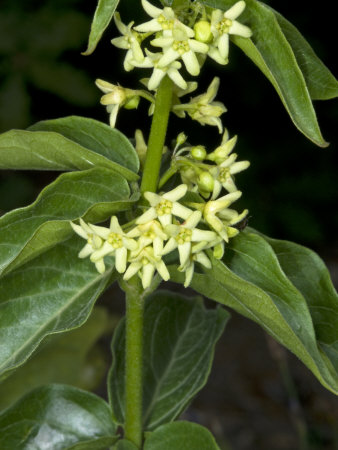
(57,417)
(322,85)
(55,292)
(66,358)
(179,340)
(308,273)
(253,283)
(102,17)
(123,444)
(270,50)
(181,436)
(95,195)
(47,150)
(95,136)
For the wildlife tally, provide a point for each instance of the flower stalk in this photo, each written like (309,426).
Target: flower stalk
(157,136)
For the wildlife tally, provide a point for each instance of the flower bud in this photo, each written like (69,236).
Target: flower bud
(132,102)
(199,153)
(203,31)
(181,138)
(206,182)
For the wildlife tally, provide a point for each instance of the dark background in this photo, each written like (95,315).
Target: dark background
(290,189)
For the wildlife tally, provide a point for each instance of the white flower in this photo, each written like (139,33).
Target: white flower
(165,206)
(226,166)
(114,98)
(152,61)
(195,256)
(149,233)
(145,263)
(220,218)
(184,235)
(180,45)
(94,243)
(116,243)
(202,108)
(223,24)
(163,20)
(129,41)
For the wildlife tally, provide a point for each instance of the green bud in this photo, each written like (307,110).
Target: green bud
(181,138)
(132,103)
(206,182)
(203,31)
(199,153)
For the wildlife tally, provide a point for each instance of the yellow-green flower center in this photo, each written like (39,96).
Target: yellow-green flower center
(115,240)
(150,234)
(144,261)
(164,207)
(184,236)
(224,25)
(165,23)
(181,46)
(224,174)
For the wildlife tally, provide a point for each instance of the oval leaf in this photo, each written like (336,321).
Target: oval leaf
(253,283)
(317,289)
(65,358)
(95,136)
(271,52)
(55,292)
(179,340)
(95,195)
(181,436)
(102,17)
(47,150)
(57,417)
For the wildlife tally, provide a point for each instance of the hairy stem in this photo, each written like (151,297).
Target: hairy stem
(157,136)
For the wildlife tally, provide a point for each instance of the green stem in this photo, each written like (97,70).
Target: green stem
(157,136)
(133,380)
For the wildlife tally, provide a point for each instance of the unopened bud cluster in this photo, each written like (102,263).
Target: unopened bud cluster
(207,173)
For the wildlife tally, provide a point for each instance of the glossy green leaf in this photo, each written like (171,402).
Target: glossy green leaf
(270,50)
(179,340)
(253,283)
(181,436)
(57,417)
(95,136)
(102,17)
(66,358)
(47,150)
(55,292)
(322,85)
(94,194)
(308,273)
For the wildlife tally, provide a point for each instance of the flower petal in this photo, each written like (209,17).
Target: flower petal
(235,11)
(191,63)
(240,30)
(121,259)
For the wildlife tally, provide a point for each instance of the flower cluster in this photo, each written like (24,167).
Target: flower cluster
(207,173)
(166,226)
(204,35)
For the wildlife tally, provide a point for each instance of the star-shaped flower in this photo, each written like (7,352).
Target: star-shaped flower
(216,214)
(183,235)
(116,243)
(180,45)
(145,263)
(129,41)
(165,206)
(223,24)
(203,108)
(163,20)
(172,70)
(94,243)
(150,233)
